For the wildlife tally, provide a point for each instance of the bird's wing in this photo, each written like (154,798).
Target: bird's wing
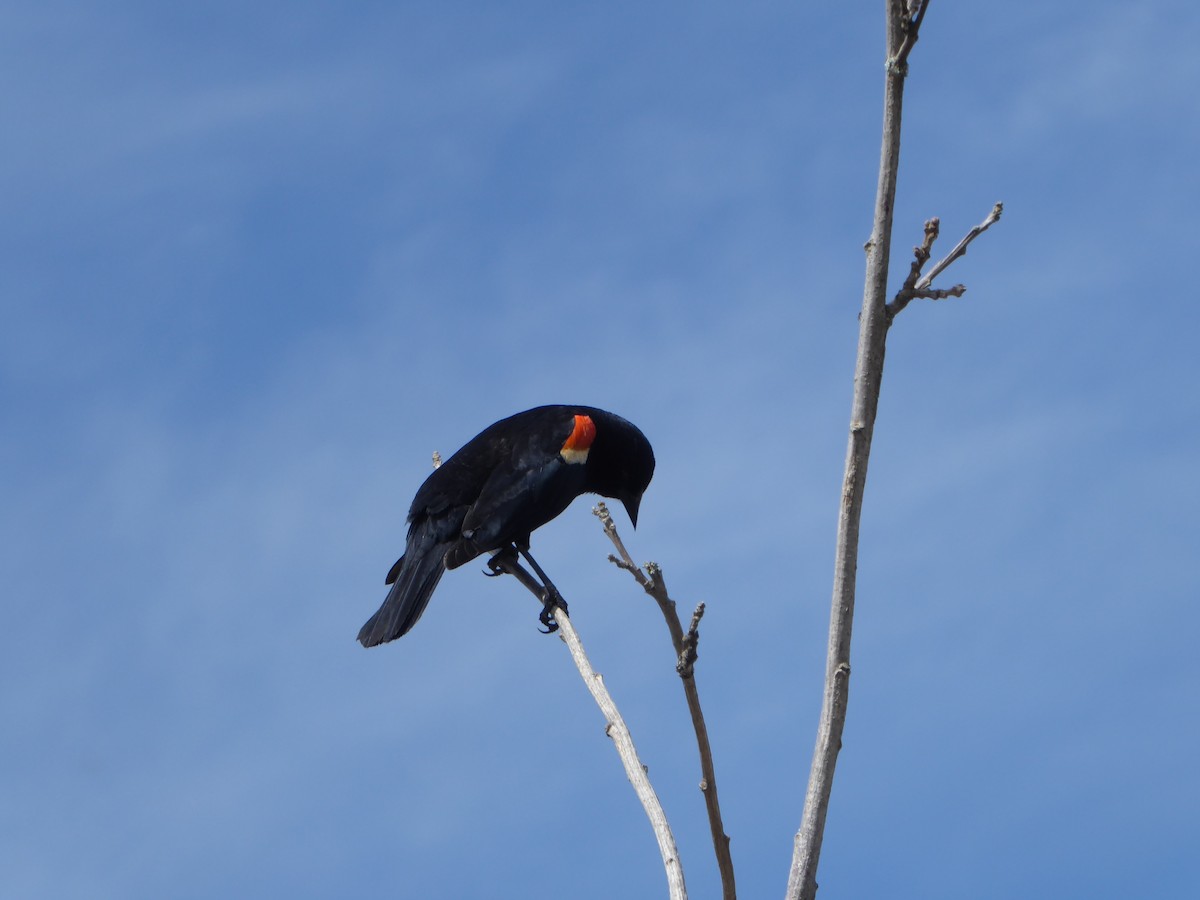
(509,504)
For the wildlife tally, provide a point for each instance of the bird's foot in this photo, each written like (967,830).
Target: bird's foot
(551,599)
(496,567)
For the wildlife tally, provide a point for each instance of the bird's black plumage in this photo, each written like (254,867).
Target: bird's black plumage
(510,479)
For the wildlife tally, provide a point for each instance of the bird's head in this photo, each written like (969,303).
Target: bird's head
(621,462)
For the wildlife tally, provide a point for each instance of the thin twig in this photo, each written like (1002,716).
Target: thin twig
(654,584)
(909,14)
(921,254)
(616,728)
(960,249)
(916,287)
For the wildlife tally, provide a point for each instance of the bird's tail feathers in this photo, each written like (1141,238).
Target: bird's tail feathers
(413,580)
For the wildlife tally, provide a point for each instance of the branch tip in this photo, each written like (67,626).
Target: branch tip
(915,286)
(910,15)
(960,249)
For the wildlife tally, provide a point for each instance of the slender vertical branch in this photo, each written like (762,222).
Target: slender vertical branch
(616,728)
(654,584)
(904,18)
(868,375)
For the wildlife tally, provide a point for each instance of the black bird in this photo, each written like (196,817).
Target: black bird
(510,479)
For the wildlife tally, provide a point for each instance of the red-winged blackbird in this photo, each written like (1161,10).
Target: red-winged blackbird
(508,480)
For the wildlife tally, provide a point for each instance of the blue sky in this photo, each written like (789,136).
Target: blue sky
(258,262)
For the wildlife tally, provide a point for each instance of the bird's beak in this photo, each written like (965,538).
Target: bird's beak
(631,506)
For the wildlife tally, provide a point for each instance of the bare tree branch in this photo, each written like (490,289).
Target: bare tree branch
(908,290)
(916,287)
(902,30)
(960,249)
(904,18)
(654,584)
(616,728)
(691,641)
(908,15)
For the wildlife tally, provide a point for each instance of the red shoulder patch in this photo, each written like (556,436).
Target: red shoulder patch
(582,434)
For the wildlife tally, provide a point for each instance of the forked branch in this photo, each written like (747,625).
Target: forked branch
(916,287)
(960,249)
(653,583)
(908,14)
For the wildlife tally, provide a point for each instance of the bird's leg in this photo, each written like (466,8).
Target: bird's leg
(550,596)
(507,562)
